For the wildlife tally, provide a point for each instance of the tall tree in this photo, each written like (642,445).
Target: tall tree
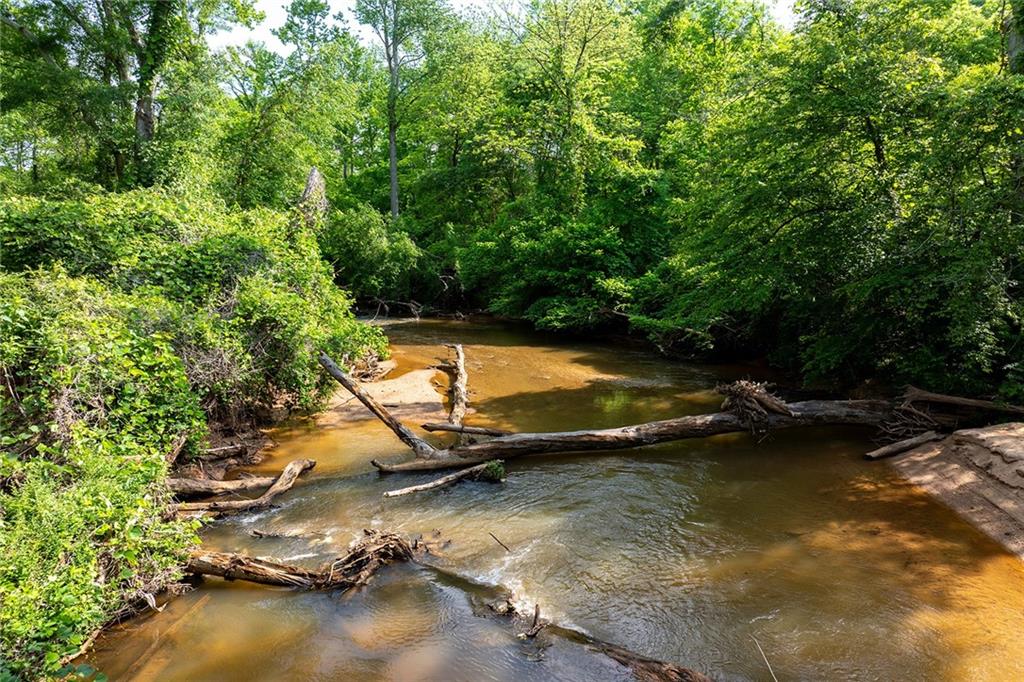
(402,27)
(105,58)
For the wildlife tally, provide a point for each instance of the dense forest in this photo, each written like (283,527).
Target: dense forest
(844,197)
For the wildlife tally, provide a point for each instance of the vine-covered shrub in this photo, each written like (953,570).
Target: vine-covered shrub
(127,321)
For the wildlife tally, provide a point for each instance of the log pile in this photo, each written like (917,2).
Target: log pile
(279,485)
(356,567)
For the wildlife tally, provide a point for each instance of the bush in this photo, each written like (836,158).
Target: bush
(127,321)
(369,259)
(99,404)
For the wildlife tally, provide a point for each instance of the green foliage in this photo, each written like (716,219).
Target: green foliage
(126,321)
(370,259)
(93,404)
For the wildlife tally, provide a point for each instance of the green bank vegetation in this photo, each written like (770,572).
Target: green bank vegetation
(844,197)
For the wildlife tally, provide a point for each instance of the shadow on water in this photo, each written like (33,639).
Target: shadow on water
(683,551)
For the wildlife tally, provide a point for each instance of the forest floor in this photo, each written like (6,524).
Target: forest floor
(979,473)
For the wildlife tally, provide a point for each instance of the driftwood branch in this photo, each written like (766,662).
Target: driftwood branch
(203,486)
(420,447)
(284,482)
(442,482)
(903,445)
(473,430)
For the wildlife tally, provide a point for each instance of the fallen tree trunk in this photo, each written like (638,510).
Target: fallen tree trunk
(442,482)
(285,481)
(459,392)
(903,445)
(472,430)
(917,395)
(347,571)
(205,486)
(420,447)
(806,413)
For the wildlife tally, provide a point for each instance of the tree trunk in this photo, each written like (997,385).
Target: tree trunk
(205,486)
(393,161)
(1015,37)
(151,60)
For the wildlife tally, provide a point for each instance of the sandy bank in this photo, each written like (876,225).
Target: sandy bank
(979,473)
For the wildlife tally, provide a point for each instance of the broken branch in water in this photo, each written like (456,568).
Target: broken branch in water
(903,445)
(478,471)
(420,447)
(499,542)
(283,482)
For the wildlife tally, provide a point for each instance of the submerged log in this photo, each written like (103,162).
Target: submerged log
(350,570)
(420,447)
(205,486)
(903,445)
(283,482)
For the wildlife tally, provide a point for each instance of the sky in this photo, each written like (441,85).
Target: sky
(275,16)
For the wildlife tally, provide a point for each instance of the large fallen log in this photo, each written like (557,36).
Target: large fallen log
(805,413)
(284,482)
(205,486)
(778,415)
(917,395)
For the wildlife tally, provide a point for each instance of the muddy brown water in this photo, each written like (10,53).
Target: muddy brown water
(685,551)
